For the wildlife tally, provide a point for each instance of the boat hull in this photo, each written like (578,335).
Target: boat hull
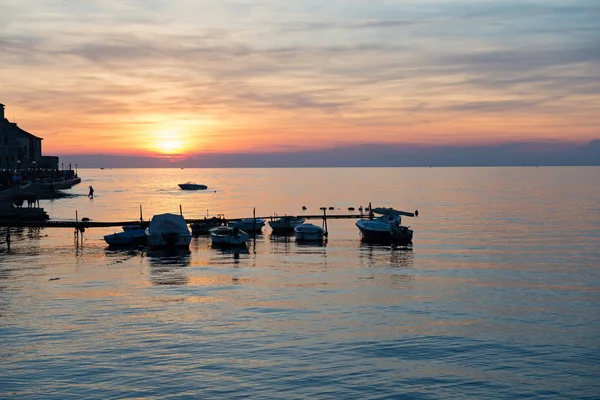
(127,238)
(378,234)
(309,233)
(192,186)
(227,236)
(169,240)
(285,225)
(229,240)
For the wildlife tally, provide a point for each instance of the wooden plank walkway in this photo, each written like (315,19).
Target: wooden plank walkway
(104,224)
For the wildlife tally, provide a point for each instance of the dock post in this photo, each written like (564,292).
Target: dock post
(325,223)
(180,210)
(141,215)
(254,221)
(79,229)
(76,232)
(8,237)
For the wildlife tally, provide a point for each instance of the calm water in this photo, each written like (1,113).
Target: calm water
(498,299)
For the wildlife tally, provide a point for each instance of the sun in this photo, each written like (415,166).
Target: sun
(176,138)
(169,141)
(170,146)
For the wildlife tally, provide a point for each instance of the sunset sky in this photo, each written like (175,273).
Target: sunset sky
(189,77)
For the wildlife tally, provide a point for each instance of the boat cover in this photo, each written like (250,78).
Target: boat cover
(168,223)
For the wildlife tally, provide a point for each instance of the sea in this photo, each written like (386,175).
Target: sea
(498,298)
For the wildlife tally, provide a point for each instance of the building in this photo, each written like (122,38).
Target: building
(20,149)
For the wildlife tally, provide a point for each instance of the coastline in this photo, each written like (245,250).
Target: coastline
(12,199)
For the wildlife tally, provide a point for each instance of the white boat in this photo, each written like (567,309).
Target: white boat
(387,228)
(285,224)
(132,235)
(168,230)
(309,233)
(227,235)
(248,224)
(192,186)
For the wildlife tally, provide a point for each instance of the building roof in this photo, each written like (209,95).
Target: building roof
(6,126)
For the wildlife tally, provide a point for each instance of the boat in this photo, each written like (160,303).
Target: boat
(192,186)
(228,236)
(387,228)
(248,224)
(168,230)
(309,233)
(132,235)
(203,227)
(285,224)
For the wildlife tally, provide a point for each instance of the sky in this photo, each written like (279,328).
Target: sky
(181,78)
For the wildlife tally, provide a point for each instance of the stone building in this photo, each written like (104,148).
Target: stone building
(19,149)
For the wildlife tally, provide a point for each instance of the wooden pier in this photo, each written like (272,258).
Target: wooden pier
(104,224)
(80,226)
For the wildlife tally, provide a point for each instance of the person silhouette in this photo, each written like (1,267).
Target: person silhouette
(91,193)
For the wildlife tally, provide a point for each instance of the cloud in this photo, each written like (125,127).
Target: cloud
(341,70)
(308,26)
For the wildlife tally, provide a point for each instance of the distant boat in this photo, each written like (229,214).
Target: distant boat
(192,186)
(309,233)
(132,235)
(228,236)
(285,224)
(387,228)
(168,230)
(248,224)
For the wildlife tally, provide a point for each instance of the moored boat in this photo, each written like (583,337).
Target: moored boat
(249,225)
(228,236)
(132,235)
(168,230)
(309,233)
(387,228)
(202,227)
(285,224)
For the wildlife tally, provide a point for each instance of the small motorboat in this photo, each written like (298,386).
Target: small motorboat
(203,227)
(168,230)
(285,224)
(249,225)
(387,228)
(192,186)
(132,235)
(309,233)
(228,236)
